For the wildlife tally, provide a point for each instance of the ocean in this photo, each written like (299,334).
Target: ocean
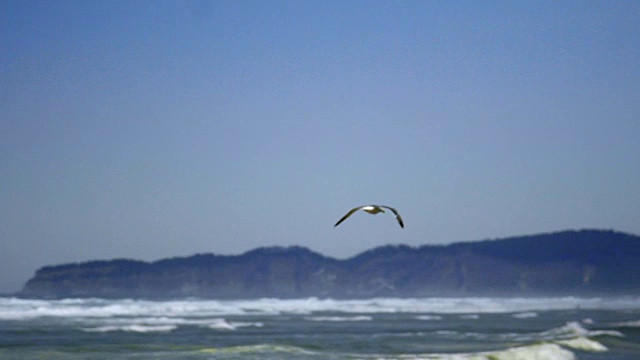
(381,328)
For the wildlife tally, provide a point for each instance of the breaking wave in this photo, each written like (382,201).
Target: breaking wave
(539,351)
(340,318)
(132,328)
(460,321)
(17,309)
(163,324)
(525,315)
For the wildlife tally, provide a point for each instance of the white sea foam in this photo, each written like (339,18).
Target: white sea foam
(141,324)
(19,309)
(525,315)
(429,317)
(340,318)
(573,330)
(222,324)
(532,352)
(256,349)
(139,328)
(583,343)
(470,317)
(629,324)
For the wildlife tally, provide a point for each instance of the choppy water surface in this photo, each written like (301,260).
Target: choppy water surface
(431,328)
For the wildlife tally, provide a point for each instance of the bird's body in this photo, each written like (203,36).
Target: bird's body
(372,209)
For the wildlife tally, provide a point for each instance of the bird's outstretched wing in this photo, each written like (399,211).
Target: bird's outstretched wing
(398,217)
(348,214)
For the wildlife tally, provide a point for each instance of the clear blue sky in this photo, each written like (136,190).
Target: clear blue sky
(151,129)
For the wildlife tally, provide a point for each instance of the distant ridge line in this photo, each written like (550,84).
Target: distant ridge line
(564,262)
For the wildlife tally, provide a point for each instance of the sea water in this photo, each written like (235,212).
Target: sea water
(383,328)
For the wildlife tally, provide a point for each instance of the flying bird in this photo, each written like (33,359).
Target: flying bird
(372,209)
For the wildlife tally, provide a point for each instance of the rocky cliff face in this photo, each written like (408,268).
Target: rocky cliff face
(570,262)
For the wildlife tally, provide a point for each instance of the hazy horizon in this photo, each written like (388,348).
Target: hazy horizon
(148,129)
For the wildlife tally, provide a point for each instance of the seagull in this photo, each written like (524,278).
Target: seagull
(372,209)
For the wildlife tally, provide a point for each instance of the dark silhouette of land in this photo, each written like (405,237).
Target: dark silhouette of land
(586,262)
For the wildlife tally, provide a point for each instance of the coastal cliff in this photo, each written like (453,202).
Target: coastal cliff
(562,263)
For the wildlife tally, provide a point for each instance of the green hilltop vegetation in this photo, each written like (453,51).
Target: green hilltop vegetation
(585,262)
